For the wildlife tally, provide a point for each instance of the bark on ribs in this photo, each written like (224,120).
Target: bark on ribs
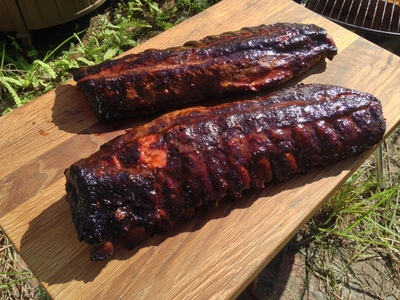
(251,59)
(154,174)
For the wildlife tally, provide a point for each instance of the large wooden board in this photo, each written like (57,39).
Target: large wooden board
(216,254)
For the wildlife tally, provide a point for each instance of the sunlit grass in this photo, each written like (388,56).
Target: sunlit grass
(16,281)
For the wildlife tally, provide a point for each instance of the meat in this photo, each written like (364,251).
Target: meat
(251,59)
(143,181)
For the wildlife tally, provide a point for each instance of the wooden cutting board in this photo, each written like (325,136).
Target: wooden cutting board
(216,254)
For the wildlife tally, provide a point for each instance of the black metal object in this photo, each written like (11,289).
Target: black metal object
(374,16)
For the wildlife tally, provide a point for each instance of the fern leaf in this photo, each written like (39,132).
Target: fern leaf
(85,61)
(46,67)
(11,80)
(111,53)
(11,90)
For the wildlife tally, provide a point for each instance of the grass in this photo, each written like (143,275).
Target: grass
(360,224)
(16,281)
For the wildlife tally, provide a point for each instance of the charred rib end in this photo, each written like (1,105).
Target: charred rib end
(333,50)
(101,251)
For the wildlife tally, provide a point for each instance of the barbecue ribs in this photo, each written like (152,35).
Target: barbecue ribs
(145,180)
(251,59)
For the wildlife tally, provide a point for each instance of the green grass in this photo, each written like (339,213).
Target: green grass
(360,223)
(16,281)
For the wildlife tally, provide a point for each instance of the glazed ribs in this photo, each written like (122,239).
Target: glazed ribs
(145,180)
(251,59)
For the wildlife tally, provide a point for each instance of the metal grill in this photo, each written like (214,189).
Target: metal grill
(379,16)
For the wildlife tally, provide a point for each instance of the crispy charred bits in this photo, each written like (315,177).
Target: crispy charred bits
(145,180)
(251,59)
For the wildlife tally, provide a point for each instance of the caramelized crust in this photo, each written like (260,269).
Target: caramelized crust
(248,60)
(143,181)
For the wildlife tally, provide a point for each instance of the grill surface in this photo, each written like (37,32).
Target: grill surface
(379,16)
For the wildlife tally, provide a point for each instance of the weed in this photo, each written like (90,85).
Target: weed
(16,282)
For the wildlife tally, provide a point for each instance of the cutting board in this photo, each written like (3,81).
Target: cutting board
(214,255)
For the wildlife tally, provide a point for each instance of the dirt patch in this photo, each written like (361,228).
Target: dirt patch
(289,276)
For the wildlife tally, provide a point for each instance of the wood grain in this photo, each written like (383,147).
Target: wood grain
(216,254)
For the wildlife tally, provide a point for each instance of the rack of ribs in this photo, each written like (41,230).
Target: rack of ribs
(248,60)
(143,181)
